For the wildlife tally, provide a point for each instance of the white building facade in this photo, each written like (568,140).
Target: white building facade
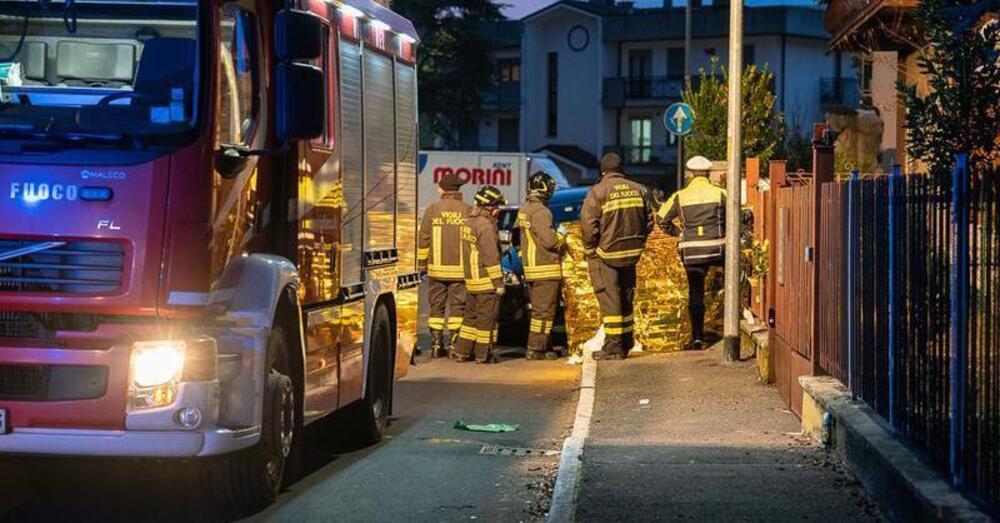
(595,77)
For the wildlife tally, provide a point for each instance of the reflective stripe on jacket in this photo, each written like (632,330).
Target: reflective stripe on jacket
(439,244)
(481,253)
(542,246)
(701,208)
(615,220)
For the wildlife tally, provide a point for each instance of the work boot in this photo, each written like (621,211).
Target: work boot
(533,355)
(694,345)
(452,340)
(437,345)
(461,358)
(541,355)
(607,356)
(487,355)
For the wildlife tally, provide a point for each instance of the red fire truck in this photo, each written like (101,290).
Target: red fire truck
(207,228)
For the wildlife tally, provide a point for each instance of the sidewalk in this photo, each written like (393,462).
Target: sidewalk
(712,444)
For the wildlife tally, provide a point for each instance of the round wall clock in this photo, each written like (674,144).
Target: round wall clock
(578,38)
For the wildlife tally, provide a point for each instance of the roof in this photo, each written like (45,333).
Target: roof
(595,8)
(572,154)
(885,21)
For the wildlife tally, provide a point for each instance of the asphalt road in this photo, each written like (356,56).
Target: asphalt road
(425,470)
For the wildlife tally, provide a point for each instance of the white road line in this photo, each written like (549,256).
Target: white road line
(566,491)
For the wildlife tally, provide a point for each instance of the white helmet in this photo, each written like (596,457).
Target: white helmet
(699,164)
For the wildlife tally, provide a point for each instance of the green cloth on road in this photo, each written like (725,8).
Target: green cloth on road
(495,428)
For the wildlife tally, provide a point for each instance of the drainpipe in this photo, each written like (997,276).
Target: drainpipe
(784,45)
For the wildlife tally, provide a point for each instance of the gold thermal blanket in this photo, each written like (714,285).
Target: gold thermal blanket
(661,320)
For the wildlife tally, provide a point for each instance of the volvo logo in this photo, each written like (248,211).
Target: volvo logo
(33,192)
(88,174)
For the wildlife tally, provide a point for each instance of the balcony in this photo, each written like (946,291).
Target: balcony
(655,90)
(506,96)
(839,92)
(644,155)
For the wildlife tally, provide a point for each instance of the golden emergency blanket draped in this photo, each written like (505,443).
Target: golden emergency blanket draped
(661,322)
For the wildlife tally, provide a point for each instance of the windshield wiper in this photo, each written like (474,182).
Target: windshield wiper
(81,138)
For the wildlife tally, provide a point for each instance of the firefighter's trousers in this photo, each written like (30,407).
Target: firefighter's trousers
(696,275)
(543,296)
(447,300)
(479,327)
(615,290)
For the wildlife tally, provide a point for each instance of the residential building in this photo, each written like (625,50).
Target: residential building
(881,35)
(595,76)
(500,127)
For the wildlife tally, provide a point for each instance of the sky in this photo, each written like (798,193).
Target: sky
(519,8)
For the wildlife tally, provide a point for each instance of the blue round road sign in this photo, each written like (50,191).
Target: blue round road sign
(678,118)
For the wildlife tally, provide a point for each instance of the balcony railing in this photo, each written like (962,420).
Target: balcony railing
(506,96)
(839,92)
(640,155)
(650,88)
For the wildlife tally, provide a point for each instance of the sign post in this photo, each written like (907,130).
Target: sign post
(679,119)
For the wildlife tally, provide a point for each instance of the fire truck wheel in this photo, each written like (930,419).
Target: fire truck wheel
(252,479)
(370,416)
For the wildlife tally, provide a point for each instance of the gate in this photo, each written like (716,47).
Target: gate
(833,285)
(796,222)
(793,286)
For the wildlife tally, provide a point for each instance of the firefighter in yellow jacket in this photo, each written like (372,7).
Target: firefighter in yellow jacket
(483,279)
(615,221)
(701,208)
(542,249)
(439,253)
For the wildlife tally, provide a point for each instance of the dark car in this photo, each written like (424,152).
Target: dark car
(514,314)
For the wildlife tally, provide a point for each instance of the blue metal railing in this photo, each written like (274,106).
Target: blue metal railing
(922,297)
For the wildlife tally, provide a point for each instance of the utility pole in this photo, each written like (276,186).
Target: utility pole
(687,85)
(731,327)
(687,44)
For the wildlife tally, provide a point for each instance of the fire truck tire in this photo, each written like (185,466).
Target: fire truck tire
(252,479)
(370,416)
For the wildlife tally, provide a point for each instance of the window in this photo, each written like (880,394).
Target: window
(640,139)
(866,79)
(675,62)
(640,63)
(748,56)
(238,83)
(553,106)
(640,71)
(510,70)
(74,78)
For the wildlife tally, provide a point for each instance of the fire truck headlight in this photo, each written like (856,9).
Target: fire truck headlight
(157,363)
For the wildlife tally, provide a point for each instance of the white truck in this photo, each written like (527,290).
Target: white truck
(509,172)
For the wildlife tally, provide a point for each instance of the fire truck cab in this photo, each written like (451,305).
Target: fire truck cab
(207,228)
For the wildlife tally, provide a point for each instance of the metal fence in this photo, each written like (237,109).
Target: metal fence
(911,312)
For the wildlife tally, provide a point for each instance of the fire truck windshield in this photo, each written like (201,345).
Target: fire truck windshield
(89,70)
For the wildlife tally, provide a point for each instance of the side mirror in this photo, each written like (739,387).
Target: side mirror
(300,94)
(298,35)
(230,162)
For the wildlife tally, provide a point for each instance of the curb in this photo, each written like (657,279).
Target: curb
(567,487)
(904,486)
